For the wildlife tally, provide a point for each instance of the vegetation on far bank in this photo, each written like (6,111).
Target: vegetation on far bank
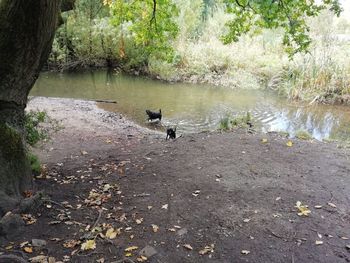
(189,48)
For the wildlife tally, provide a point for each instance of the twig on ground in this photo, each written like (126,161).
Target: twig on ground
(98,219)
(275,235)
(55,203)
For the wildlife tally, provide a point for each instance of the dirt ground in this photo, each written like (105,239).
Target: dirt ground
(208,197)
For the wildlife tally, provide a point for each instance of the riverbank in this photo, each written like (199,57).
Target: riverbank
(208,197)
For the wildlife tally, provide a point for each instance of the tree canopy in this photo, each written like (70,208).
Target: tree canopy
(152,20)
(287,14)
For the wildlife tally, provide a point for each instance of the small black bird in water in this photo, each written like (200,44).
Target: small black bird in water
(154,115)
(171,133)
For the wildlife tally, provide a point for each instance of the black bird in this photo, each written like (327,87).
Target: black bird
(154,115)
(171,133)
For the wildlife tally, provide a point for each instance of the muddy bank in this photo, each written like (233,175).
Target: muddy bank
(206,197)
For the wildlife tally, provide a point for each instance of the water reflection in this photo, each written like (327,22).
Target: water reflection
(195,108)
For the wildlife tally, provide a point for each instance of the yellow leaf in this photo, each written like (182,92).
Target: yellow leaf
(28,250)
(131,248)
(303,209)
(264,140)
(111,233)
(141,259)
(289,143)
(188,246)
(128,254)
(88,245)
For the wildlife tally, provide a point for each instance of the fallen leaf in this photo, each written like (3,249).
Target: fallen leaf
(264,140)
(88,245)
(332,205)
(207,249)
(112,233)
(347,247)
(344,238)
(172,229)
(278,198)
(128,254)
(165,206)
(319,235)
(245,252)
(246,220)
(319,242)
(132,248)
(188,246)
(28,250)
(139,221)
(196,193)
(149,207)
(289,143)
(155,228)
(71,243)
(24,243)
(303,209)
(141,259)
(318,206)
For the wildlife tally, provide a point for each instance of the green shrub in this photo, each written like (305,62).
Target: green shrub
(34,164)
(32,129)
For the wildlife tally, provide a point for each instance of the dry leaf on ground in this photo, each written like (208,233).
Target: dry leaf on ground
(155,228)
(207,249)
(303,209)
(88,245)
(132,248)
(188,246)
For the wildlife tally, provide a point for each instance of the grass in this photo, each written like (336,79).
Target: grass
(303,135)
(259,61)
(240,121)
(34,164)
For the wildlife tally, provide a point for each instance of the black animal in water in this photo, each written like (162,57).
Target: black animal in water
(170,133)
(154,115)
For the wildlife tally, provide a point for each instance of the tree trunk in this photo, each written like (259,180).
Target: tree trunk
(27,30)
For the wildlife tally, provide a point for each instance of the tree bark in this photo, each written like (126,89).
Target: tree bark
(27,30)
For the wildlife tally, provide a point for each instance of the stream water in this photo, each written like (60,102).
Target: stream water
(195,107)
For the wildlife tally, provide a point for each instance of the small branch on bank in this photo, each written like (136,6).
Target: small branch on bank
(106,101)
